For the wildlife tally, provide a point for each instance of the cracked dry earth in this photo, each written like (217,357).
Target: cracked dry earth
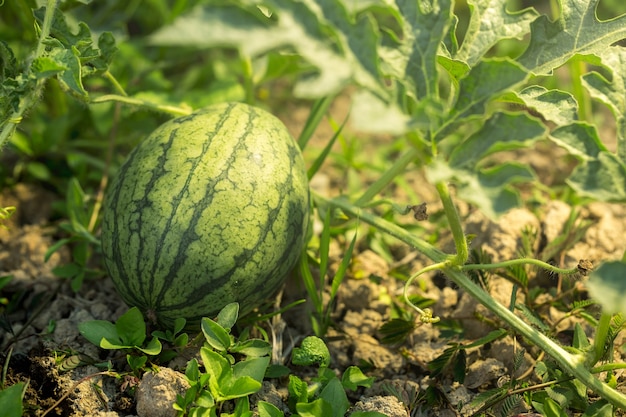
(48,311)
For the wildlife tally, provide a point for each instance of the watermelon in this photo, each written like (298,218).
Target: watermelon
(211,208)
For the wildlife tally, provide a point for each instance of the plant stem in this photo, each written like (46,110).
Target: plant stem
(522,261)
(45,29)
(248,82)
(173,110)
(454,221)
(572,364)
(118,87)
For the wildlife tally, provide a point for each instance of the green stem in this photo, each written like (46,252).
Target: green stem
(248,82)
(454,221)
(116,85)
(173,110)
(522,261)
(572,364)
(397,168)
(426,315)
(45,29)
(577,69)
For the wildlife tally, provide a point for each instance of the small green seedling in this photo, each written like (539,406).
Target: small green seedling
(128,333)
(5,214)
(326,396)
(233,369)
(79,228)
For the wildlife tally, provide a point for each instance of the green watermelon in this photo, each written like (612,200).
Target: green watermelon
(210,209)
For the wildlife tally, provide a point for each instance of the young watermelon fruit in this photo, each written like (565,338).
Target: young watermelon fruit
(210,209)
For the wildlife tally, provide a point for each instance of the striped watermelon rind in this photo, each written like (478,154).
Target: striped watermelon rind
(210,209)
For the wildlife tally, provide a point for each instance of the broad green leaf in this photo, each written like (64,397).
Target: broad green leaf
(501,132)
(316,408)
(215,334)
(136,362)
(335,395)
(484,81)
(487,188)
(599,408)
(372,114)
(131,327)
(192,371)
(11,400)
(71,78)
(242,408)
(489,23)
(357,38)
(299,26)
(580,139)
(576,31)
(268,410)
(608,287)
(219,370)
(556,106)
(231,388)
(227,317)
(253,368)
(45,66)
(552,409)
(353,378)
(152,348)
(298,390)
(424,26)
(603,178)
(252,348)
(206,401)
(612,93)
(97,330)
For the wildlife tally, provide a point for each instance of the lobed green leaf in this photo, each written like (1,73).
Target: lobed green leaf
(576,31)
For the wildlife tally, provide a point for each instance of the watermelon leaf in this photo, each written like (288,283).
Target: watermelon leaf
(576,31)
(485,16)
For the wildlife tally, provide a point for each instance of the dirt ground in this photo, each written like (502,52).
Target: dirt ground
(47,322)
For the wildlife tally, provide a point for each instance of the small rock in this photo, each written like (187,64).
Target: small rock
(387,405)
(157,391)
(270,394)
(483,372)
